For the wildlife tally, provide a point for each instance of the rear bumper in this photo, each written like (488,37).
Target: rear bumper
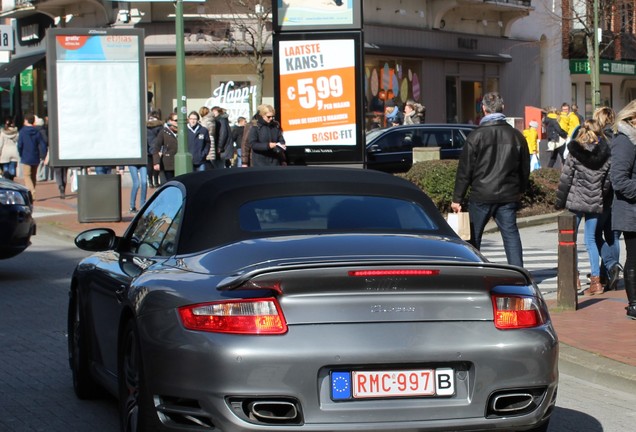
(296,367)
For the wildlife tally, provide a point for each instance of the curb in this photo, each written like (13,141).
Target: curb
(597,369)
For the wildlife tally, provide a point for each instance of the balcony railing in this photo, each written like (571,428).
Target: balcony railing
(525,3)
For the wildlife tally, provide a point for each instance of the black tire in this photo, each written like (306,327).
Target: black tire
(136,410)
(84,384)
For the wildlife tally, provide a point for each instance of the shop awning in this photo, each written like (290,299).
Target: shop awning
(15,66)
(387,50)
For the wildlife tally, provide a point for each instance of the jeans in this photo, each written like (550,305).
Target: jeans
(139,174)
(591,221)
(559,151)
(607,241)
(200,167)
(505,215)
(103,169)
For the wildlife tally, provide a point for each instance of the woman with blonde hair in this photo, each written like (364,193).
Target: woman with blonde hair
(266,139)
(608,239)
(583,186)
(623,175)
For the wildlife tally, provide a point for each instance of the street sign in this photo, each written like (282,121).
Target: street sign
(6,38)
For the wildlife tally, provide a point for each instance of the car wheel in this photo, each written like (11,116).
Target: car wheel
(136,411)
(84,385)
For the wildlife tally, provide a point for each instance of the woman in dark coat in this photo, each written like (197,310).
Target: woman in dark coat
(266,139)
(583,185)
(154,127)
(165,147)
(556,136)
(623,175)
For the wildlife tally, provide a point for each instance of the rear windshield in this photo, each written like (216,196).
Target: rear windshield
(334,212)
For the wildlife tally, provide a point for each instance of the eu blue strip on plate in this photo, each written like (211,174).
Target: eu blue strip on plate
(340,385)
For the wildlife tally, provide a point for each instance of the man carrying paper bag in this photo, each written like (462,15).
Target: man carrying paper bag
(495,165)
(460,223)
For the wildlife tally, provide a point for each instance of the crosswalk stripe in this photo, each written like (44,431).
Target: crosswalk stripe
(542,264)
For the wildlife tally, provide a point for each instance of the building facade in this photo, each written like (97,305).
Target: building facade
(444,54)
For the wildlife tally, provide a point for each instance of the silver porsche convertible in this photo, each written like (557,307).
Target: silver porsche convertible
(306,299)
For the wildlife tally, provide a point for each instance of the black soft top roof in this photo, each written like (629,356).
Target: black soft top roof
(213,197)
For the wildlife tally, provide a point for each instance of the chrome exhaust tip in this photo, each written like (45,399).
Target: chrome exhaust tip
(510,403)
(273,411)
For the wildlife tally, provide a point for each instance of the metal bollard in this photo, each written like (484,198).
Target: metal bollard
(567,269)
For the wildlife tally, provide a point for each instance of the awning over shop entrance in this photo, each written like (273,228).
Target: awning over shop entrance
(399,51)
(15,66)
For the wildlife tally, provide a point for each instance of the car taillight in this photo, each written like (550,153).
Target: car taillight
(394,272)
(253,316)
(513,312)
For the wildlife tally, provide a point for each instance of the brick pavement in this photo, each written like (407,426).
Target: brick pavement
(597,336)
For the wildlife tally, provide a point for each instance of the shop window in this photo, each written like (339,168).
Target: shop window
(606,98)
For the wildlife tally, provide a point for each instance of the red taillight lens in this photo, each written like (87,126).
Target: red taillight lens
(512,312)
(396,272)
(254,316)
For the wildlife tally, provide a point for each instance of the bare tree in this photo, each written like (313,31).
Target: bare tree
(244,28)
(612,21)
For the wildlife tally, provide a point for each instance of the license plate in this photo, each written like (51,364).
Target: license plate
(393,383)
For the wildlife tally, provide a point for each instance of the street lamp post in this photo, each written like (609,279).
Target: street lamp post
(596,71)
(183,159)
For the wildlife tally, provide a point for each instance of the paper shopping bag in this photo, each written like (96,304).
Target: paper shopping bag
(460,223)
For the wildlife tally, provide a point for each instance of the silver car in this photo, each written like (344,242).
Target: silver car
(306,299)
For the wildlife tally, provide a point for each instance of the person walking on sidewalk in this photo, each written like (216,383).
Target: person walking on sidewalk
(9,156)
(198,142)
(165,147)
(154,126)
(623,176)
(607,238)
(556,136)
(582,189)
(495,165)
(32,150)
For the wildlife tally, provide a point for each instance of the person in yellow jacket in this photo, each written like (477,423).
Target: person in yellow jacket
(531,135)
(568,120)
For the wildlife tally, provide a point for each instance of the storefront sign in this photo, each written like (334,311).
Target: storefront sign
(317,90)
(6,38)
(608,67)
(26,79)
(235,97)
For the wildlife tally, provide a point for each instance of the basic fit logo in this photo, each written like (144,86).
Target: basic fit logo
(72,42)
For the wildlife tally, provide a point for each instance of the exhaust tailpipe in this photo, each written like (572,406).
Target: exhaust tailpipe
(273,411)
(511,402)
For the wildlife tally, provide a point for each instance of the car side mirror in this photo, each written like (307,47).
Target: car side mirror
(375,149)
(97,240)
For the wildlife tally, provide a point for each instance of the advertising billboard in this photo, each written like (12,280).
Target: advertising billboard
(308,15)
(320,96)
(97,97)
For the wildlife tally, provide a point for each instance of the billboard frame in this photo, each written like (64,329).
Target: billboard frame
(86,91)
(324,154)
(282,23)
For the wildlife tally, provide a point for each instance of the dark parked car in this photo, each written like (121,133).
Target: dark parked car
(16,218)
(391,149)
(306,298)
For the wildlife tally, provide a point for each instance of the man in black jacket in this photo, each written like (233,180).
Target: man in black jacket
(495,164)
